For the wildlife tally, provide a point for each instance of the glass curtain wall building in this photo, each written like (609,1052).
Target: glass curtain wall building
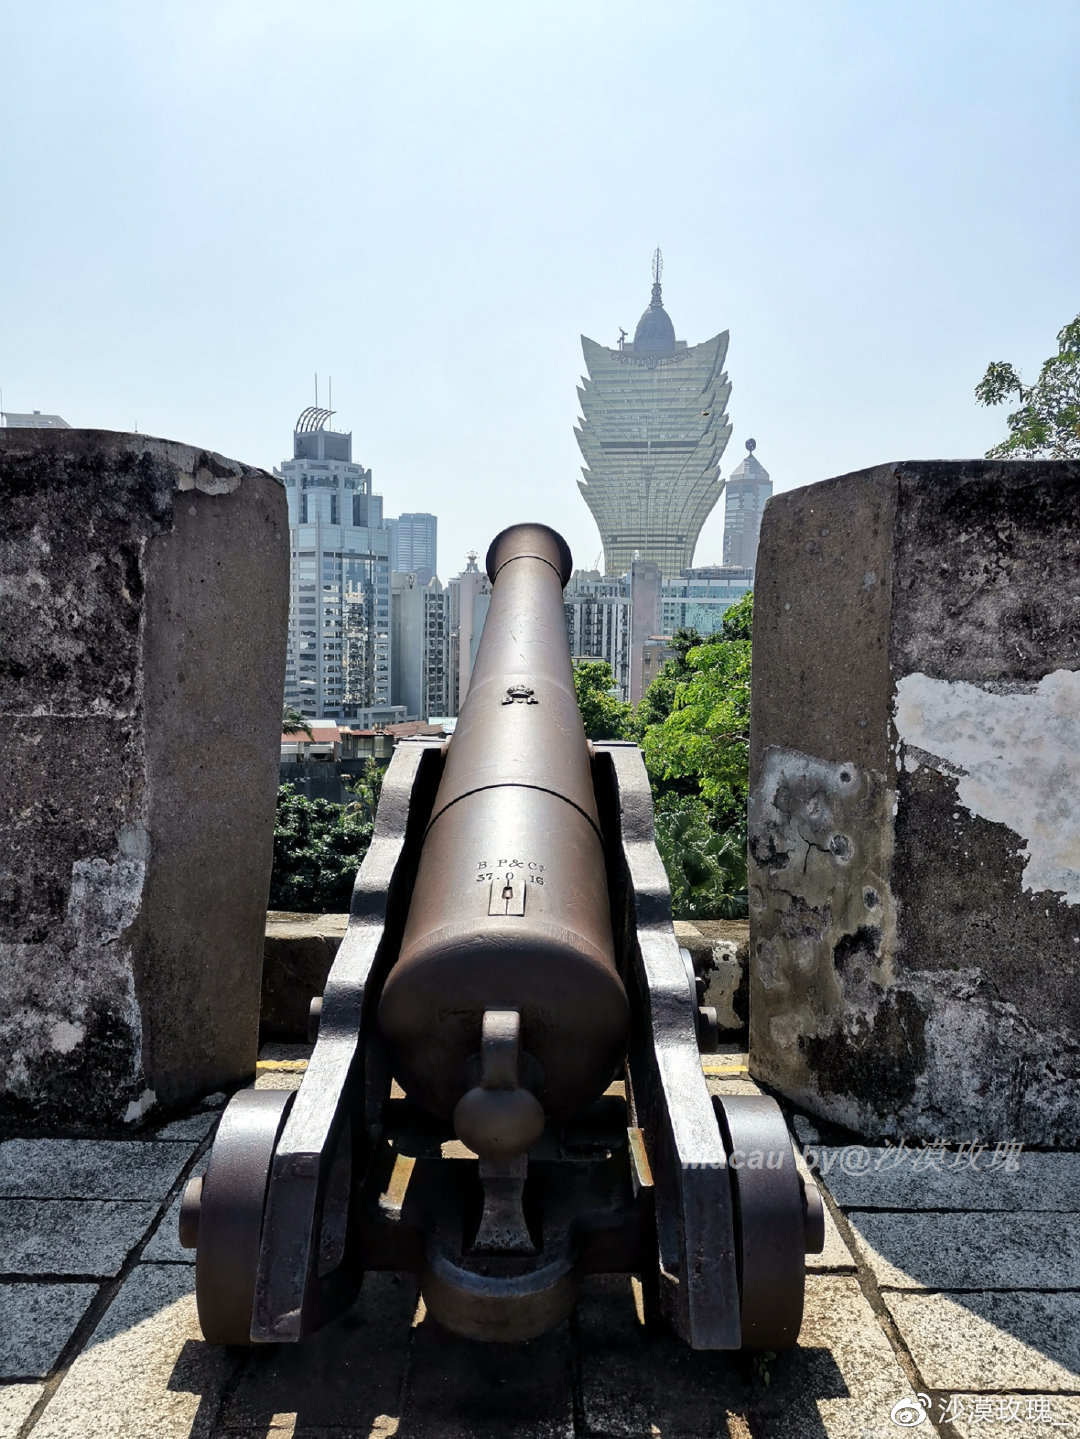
(338,658)
(414,545)
(653,428)
(599,614)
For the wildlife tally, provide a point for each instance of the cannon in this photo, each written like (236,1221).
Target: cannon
(505,1092)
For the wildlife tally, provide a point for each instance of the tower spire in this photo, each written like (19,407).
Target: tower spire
(657,272)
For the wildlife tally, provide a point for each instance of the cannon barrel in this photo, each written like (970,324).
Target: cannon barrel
(510,908)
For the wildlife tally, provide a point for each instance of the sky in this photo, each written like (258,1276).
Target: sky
(204,204)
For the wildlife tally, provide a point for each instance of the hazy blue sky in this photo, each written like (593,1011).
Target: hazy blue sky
(205,202)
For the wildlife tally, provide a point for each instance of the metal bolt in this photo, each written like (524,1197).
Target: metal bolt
(814,1217)
(314,1019)
(190,1206)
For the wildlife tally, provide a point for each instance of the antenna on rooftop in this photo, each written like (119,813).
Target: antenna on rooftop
(330,401)
(316,389)
(657,265)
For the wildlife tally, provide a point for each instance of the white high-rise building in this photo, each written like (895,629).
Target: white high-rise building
(602,624)
(748,487)
(598,622)
(407,642)
(437,674)
(470,595)
(420,646)
(338,660)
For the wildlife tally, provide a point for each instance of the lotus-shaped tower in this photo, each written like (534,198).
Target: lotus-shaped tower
(652,432)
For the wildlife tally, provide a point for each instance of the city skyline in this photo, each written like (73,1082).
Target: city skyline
(838,188)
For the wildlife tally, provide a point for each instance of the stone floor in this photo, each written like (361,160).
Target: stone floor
(941,1277)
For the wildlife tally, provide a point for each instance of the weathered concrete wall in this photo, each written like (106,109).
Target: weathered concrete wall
(300,949)
(720,949)
(915,801)
(298,952)
(143,600)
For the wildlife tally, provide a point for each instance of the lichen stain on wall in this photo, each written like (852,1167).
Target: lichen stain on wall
(1016,758)
(823,924)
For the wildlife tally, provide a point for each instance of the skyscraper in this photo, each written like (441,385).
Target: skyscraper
(748,488)
(469,597)
(652,432)
(618,620)
(413,545)
(338,658)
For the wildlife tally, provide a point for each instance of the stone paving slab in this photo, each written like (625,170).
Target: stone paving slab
(346,1377)
(1042,1182)
(164,1246)
(992,1341)
(841,1381)
(16,1402)
(278,1079)
(145,1372)
(36,1321)
(720,1084)
(194,1127)
(70,1236)
(89,1168)
(462,1389)
(970,1251)
(805,1133)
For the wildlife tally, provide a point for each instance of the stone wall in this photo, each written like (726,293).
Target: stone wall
(300,948)
(915,801)
(297,954)
(142,640)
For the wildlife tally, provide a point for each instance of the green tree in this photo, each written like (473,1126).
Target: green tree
(738,620)
(659,699)
(703,744)
(604,715)
(293,722)
(1047,424)
(366,788)
(706,870)
(318,847)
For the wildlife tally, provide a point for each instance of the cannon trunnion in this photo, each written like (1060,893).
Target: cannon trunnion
(510,962)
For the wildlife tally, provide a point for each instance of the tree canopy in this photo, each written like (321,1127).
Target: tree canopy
(704,741)
(1047,423)
(293,722)
(318,847)
(605,715)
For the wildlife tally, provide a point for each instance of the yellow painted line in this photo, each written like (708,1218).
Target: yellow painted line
(716,1067)
(289,1066)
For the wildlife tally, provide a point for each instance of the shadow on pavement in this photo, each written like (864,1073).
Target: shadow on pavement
(387,1369)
